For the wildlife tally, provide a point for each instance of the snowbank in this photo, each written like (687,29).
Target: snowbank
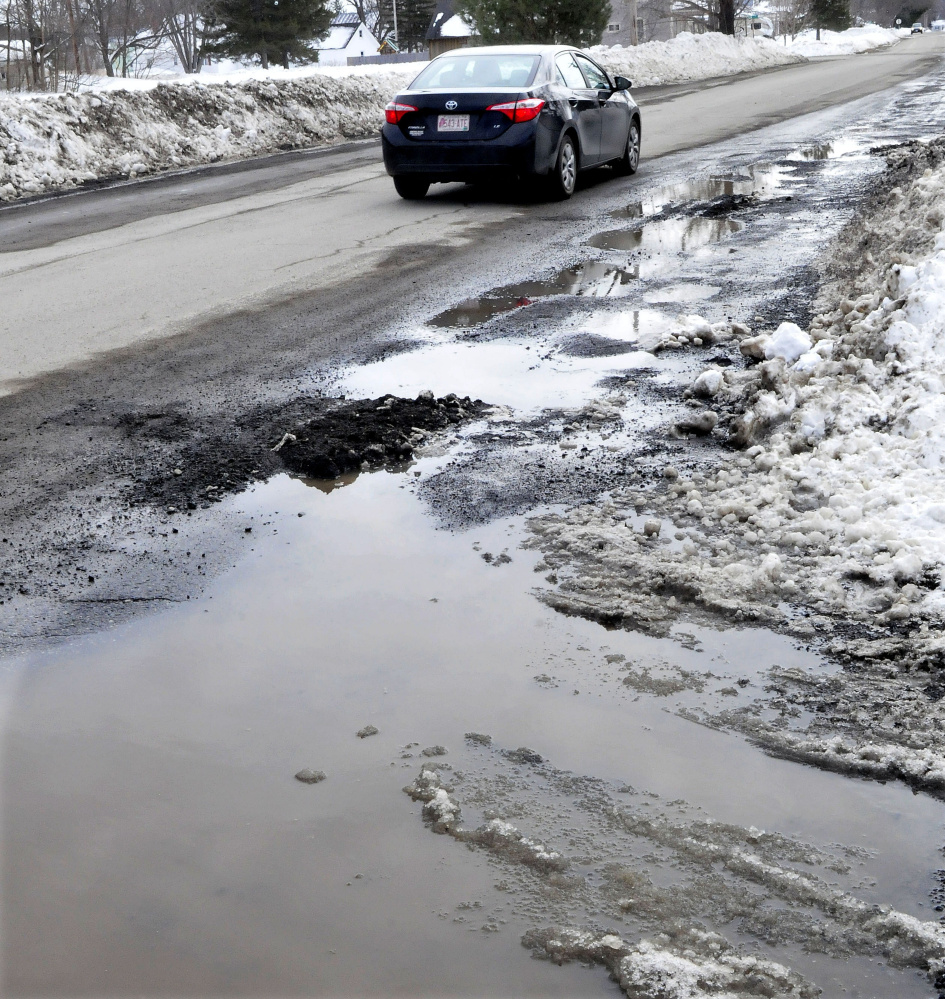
(841,43)
(838,499)
(692,57)
(56,142)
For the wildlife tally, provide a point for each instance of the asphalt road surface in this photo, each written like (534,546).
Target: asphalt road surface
(90,273)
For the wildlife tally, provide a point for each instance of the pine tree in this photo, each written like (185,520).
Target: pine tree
(275,30)
(560,22)
(413,19)
(832,14)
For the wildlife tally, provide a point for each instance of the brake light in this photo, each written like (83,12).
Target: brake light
(394,112)
(517,111)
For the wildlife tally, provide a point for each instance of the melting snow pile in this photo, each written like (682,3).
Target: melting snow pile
(648,877)
(837,501)
(834,506)
(692,57)
(59,141)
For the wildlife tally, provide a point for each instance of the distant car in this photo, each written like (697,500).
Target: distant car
(540,111)
(917,28)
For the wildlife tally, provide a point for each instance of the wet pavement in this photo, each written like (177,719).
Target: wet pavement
(152,824)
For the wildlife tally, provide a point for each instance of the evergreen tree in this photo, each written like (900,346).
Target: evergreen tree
(832,14)
(558,22)
(413,19)
(275,30)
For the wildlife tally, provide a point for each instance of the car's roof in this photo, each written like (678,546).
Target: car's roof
(508,49)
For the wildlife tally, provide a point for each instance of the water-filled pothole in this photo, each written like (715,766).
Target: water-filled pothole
(668,235)
(828,150)
(762,181)
(592,279)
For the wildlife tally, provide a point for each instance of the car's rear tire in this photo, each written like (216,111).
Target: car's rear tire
(563,177)
(628,163)
(411,188)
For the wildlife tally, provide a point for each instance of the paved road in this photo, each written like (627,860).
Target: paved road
(91,273)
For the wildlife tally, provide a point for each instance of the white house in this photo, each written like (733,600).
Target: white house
(347,36)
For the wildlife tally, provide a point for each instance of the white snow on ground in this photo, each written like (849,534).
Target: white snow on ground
(692,57)
(132,127)
(840,43)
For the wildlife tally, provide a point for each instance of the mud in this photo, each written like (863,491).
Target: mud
(312,438)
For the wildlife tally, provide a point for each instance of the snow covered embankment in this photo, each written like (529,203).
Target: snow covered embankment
(831,521)
(61,141)
(690,57)
(841,43)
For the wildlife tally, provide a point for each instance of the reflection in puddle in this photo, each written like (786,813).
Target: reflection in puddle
(643,327)
(330,485)
(683,293)
(828,150)
(505,373)
(763,180)
(593,279)
(668,236)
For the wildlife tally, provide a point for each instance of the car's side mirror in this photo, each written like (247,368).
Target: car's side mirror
(622,83)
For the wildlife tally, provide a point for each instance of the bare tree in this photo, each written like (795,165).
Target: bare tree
(183,23)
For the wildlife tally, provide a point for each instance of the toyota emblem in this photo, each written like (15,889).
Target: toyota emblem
(451,105)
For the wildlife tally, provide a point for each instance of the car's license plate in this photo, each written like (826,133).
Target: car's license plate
(452,123)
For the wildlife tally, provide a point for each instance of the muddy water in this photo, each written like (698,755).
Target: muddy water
(153,828)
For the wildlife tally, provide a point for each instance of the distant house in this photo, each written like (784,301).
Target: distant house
(347,36)
(448,30)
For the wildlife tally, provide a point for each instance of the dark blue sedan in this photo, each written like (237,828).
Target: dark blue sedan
(544,111)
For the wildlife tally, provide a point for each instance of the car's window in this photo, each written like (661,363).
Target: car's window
(505,70)
(596,77)
(568,73)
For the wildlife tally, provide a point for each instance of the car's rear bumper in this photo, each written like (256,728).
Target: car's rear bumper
(522,149)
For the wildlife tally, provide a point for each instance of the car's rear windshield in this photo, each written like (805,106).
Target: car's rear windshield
(495,70)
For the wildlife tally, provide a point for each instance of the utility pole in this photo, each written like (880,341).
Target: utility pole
(634,35)
(396,39)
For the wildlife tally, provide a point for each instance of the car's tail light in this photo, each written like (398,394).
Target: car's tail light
(524,110)
(394,112)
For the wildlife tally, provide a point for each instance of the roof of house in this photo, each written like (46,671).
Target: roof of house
(338,36)
(346,17)
(446,23)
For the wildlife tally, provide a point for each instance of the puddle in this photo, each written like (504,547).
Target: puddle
(761,180)
(505,373)
(593,279)
(829,150)
(682,293)
(667,236)
(151,815)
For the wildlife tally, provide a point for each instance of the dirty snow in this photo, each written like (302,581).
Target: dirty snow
(65,140)
(829,516)
(646,877)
